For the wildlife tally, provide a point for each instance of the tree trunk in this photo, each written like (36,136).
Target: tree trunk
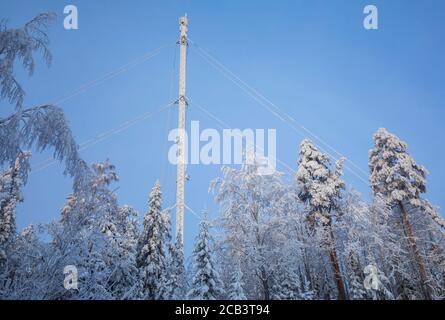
(415,251)
(335,265)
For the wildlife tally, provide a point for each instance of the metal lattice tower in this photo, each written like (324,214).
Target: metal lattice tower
(180,175)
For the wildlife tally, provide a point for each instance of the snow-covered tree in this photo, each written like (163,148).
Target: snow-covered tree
(88,235)
(152,256)
(122,231)
(177,276)
(20,45)
(94,234)
(253,224)
(356,289)
(206,284)
(11,181)
(377,283)
(307,293)
(396,176)
(320,189)
(23,275)
(401,181)
(236,287)
(437,268)
(41,127)
(286,285)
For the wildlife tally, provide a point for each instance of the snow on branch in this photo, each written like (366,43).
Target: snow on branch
(42,127)
(21,44)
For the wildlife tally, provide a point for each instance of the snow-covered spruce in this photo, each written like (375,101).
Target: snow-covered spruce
(152,259)
(236,290)
(286,285)
(177,283)
(206,284)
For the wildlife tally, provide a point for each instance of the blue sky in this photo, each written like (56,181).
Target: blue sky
(313,59)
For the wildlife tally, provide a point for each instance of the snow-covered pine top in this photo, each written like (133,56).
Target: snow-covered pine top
(394,173)
(396,176)
(320,186)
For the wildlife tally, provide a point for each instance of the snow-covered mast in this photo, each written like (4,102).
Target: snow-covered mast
(180,176)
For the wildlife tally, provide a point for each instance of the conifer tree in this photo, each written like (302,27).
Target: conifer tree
(286,285)
(307,293)
(401,181)
(152,256)
(206,284)
(177,276)
(11,181)
(236,290)
(320,189)
(356,289)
